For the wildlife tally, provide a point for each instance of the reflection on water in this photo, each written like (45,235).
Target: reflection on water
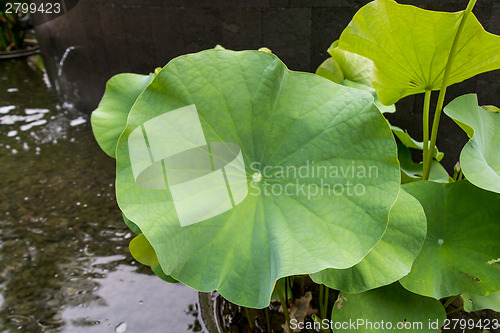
(64,261)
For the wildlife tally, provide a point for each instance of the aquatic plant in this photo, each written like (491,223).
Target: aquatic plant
(238,173)
(12,26)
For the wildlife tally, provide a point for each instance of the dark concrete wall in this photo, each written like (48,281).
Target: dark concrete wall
(114,36)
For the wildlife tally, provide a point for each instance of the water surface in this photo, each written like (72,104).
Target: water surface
(64,260)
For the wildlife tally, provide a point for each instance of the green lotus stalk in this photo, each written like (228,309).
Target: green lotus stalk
(427,103)
(326,296)
(442,92)
(249,319)
(283,301)
(322,311)
(268,321)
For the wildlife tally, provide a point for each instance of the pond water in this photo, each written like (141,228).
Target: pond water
(64,259)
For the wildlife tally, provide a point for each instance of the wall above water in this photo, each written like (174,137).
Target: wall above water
(95,39)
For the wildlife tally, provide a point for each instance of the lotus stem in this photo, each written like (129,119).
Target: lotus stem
(442,92)
(325,306)
(268,321)
(284,305)
(425,124)
(321,300)
(250,322)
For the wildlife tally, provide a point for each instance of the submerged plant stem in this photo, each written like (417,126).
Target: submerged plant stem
(442,92)
(425,124)
(283,301)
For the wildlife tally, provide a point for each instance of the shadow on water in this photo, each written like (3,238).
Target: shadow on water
(64,260)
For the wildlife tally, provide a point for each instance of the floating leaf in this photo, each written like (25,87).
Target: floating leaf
(411,171)
(242,232)
(480,157)
(410,47)
(462,237)
(110,117)
(387,309)
(409,142)
(391,258)
(142,251)
(476,303)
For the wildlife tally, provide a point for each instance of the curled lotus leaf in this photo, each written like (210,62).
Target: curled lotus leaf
(351,70)
(142,251)
(110,118)
(480,157)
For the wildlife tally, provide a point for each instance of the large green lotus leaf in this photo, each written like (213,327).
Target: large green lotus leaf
(476,303)
(271,211)
(110,117)
(391,258)
(410,47)
(409,142)
(480,157)
(387,309)
(462,239)
(411,171)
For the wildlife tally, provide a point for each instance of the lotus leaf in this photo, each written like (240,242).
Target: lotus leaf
(142,251)
(391,258)
(410,47)
(110,117)
(351,70)
(411,171)
(388,309)
(476,303)
(222,166)
(409,142)
(462,239)
(480,158)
